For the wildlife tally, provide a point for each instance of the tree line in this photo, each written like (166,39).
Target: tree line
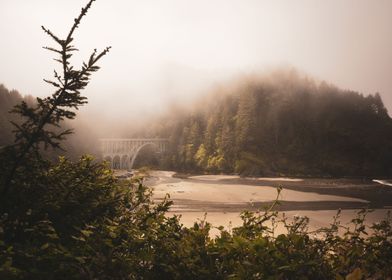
(284,124)
(76,145)
(8,99)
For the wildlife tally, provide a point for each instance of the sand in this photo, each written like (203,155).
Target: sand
(224,197)
(203,190)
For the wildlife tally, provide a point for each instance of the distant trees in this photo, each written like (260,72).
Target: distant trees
(8,99)
(75,145)
(288,125)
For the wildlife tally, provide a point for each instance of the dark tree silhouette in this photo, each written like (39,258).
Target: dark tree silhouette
(35,131)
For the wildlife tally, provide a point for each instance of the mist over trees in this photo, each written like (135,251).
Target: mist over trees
(8,99)
(277,124)
(82,142)
(283,123)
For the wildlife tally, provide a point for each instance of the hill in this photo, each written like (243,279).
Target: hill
(82,142)
(283,123)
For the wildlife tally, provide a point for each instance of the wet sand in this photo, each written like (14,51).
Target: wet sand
(223,197)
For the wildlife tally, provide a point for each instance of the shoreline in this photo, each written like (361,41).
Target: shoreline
(188,205)
(186,175)
(377,196)
(220,199)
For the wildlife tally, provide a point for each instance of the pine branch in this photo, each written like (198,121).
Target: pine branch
(51,110)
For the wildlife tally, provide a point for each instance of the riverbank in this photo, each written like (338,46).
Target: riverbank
(223,197)
(367,193)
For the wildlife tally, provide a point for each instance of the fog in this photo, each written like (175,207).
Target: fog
(167,53)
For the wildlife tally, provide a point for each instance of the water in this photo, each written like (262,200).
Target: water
(224,196)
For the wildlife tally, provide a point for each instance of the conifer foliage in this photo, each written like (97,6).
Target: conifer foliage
(284,124)
(36,130)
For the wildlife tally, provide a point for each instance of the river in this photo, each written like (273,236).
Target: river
(223,197)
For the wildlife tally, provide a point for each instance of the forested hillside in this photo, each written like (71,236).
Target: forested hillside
(282,124)
(82,142)
(8,99)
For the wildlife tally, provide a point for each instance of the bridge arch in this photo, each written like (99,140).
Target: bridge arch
(116,164)
(138,150)
(125,162)
(122,153)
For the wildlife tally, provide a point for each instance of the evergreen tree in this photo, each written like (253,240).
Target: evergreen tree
(294,127)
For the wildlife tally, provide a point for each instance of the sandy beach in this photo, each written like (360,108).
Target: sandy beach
(223,197)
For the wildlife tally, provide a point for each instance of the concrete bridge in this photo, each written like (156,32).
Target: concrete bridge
(122,153)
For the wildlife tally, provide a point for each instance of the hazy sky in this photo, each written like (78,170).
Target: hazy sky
(165,51)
